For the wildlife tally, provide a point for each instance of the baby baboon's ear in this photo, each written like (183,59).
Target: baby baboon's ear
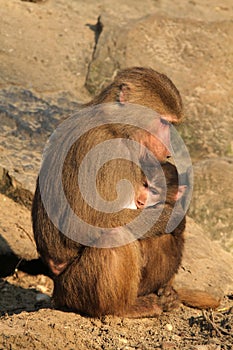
(180,192)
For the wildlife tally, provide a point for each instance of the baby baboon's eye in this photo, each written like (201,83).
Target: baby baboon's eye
(153,190)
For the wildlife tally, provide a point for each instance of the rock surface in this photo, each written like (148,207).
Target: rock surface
(205,265)
(16,231)
(193,53)
(27,121)
(211,204)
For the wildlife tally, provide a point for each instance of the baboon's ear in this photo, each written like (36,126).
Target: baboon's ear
(124,93)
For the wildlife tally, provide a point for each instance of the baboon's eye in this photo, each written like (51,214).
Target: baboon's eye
(165,122)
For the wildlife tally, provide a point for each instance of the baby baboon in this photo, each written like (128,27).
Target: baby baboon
(153,193)
(162,255)
(118,280)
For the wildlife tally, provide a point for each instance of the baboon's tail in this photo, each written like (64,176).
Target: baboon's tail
(197,298)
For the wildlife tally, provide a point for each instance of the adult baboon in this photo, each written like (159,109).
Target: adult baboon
(110,275)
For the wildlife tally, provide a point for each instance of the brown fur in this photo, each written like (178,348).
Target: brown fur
(146,87)
(162,255)
(122,280)
(135,262)
(197,298)
(168,256)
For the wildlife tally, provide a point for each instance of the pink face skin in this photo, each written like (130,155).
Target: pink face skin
(160,127)
(158,141)
(161,144)
(148,197)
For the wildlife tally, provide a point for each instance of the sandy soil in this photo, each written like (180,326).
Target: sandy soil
(28,321)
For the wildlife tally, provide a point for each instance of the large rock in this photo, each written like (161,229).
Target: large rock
(16,230)
(17,245)
(211,204)
(205,265)
(48,46)
(27,121)
(193,53)
(44,47)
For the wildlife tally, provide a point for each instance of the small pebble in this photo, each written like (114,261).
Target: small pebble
(41,288)
(169,327)
(42,297)
(122,340)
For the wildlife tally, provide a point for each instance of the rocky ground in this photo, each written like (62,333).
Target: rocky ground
(55,54)
(29,322)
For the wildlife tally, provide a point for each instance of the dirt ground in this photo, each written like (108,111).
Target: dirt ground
(29,321)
